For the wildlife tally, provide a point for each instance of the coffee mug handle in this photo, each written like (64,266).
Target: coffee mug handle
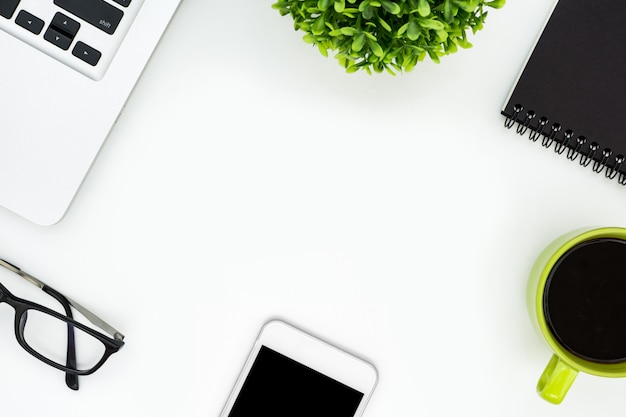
(556,380)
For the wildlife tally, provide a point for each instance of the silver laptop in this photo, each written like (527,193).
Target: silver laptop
(66,69)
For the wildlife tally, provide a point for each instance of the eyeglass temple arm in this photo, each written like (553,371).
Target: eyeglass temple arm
(97,321)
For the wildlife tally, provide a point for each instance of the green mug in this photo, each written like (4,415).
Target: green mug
(565,270)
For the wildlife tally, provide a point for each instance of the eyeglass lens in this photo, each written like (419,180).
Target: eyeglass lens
(48,336)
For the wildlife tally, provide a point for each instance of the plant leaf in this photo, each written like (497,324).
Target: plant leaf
(348,31)
(431,24)
(391,7)
(403,28)
(423,8)
(323,4)
(376,49)
(319,26)
(308,38)
(496,4)
(384,24)
(447,11)
(322,50)
(442,35)
(358,42)
(413,31)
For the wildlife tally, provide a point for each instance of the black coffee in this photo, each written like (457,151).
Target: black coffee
(585,300)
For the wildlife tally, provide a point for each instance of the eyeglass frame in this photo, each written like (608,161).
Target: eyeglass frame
(112,344)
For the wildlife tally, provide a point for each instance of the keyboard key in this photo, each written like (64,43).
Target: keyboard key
(7,7)
(86,53)
(64,24)
(29,22)
(57,38)
(124,3)
(96,12)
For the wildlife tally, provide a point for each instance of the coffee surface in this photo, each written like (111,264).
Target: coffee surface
(585,300)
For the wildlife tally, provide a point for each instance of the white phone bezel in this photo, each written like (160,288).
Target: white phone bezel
(314,353)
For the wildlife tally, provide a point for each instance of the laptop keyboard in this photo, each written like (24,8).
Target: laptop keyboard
(82,34)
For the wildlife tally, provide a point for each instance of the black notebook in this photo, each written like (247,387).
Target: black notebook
(571,93)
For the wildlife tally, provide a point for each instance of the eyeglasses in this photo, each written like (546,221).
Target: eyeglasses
(56,339)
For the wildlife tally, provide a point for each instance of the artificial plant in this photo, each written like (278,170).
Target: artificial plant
(391,35)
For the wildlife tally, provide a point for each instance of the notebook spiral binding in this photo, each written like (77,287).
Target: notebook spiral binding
(538,127)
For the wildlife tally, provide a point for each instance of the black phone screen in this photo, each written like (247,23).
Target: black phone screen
(279,386)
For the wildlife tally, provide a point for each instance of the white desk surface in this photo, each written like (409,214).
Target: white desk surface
(251,178)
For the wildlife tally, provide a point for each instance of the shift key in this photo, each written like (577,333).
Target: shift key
(96,12)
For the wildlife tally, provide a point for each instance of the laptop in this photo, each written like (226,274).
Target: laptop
(67,68)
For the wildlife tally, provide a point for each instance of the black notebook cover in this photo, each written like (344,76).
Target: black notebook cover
(572,90)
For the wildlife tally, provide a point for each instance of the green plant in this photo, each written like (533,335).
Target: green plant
(391,35)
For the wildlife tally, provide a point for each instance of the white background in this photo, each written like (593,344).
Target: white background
(251,178)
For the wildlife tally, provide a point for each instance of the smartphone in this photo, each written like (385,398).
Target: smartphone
(291,373)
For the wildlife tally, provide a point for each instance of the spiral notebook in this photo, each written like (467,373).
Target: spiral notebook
(571,93)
